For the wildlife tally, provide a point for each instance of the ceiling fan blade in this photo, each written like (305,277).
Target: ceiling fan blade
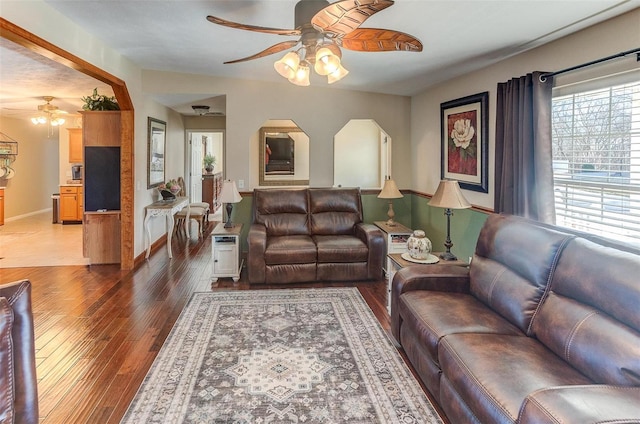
(285,45)
(380,40)
(277,31)
(344,16)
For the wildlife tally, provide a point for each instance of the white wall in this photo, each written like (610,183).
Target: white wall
(605,39)
(36,168)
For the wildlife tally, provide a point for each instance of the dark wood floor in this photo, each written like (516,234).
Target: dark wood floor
(98,329)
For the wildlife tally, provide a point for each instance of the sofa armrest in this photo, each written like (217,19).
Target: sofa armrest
(256,266)
(425,277)
(25,396)
(582,404)
(374,239)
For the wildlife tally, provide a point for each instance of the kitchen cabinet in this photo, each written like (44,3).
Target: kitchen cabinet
(71,203)
(75,145)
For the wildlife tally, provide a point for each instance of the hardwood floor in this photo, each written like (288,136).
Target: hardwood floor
(98,329)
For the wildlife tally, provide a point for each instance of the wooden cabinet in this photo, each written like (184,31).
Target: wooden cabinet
(102,237)
(211,188)
(225,252)
(71,204)
(101,128)
(1,206)
(75,145)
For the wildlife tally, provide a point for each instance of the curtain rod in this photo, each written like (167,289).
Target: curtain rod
(544,76)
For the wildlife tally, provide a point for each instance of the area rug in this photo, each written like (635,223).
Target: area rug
(279,356)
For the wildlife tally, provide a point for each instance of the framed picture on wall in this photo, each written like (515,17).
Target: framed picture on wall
(465,136)
(156,144)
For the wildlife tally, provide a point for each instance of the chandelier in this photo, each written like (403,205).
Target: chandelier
(324,57)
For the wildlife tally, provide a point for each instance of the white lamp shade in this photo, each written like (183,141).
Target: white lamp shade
(301,76)
(288,65)
(390,190)
(449,196)
(336,76)
(229,193)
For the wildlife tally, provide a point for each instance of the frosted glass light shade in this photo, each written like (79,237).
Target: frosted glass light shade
(336,76)
(288,65)
(301,76)
(326,62)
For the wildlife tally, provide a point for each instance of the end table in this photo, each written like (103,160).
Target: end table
(225,252)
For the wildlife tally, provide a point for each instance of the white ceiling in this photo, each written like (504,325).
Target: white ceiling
(458,37)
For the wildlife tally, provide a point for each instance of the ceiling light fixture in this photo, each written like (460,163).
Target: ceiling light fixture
(49,114)
(200,109)
(325,58)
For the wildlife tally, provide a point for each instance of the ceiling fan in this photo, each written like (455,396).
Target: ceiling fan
(323,29)
(50,113)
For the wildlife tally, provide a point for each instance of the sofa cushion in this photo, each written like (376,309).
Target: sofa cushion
(341,248)
(7,394)
(334,211)
(282,212)
(290,250)
(433,315)
(591,317)
(512,266)
(493,373)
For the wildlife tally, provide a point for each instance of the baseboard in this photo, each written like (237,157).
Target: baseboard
(17,217)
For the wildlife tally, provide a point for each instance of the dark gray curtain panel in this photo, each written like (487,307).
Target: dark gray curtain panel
(524,170)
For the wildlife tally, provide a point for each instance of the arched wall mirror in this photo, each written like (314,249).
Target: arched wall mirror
(284,154)
(362,155)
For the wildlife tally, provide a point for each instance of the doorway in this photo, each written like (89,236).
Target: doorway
(205,182)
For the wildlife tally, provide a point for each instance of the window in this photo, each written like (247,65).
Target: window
(596,161)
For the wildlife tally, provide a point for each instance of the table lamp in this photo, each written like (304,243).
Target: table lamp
(390,191)
(449,196)
(229,195)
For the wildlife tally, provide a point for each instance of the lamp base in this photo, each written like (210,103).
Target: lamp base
(229,208)
(448,256)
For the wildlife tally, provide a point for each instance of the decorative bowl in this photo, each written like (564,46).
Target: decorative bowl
(168,195)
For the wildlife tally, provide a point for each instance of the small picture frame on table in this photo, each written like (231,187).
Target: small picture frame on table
(465,136)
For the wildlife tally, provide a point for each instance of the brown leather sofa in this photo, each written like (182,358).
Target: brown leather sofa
(312,234)
(543,327)
(18,382)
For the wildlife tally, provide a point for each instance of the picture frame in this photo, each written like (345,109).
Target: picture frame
(465,136)
(156,147)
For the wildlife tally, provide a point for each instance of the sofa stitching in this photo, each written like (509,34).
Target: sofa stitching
(547,289)
(21,289)
(10,373)
(494,282)
(467,371)
(573,333)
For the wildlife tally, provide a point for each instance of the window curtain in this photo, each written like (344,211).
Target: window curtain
(524,167)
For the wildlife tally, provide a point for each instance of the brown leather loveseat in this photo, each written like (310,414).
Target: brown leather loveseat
(18,382)
(544,327)
(312,234)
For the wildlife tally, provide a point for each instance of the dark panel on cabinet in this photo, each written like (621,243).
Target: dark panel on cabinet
(101,178)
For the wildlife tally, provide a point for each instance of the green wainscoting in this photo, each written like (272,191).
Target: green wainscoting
(412,211)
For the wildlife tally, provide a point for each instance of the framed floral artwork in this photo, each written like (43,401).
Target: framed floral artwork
(156,143)
(465,136)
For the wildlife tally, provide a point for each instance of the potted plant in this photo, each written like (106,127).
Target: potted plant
(209,163)
(99,102)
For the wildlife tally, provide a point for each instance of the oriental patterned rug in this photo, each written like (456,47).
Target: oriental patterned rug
(279,356)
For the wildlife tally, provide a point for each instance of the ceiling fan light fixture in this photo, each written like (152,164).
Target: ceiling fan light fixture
(301,76)
(337,75)
(56,121)
(39,120)
(288,65)
(326,61)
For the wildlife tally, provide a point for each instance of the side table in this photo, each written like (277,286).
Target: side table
(396,239)
(225,252)
(167,209)
(396,263)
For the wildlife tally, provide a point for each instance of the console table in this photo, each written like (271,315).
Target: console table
(167,209)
